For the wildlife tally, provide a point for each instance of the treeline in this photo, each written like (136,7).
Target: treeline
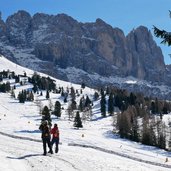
(138,118)
(42,83)
(39,84)
(5,87)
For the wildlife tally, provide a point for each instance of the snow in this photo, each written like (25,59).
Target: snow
(89,38)
(131,82)
(124,82)
(38,34)
(94,147)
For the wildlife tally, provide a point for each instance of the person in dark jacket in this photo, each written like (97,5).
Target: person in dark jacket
(55,137)
(46,137)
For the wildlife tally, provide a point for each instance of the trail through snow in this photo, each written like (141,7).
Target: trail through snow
(25,152)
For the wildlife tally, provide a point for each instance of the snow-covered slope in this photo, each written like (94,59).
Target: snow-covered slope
(93,147)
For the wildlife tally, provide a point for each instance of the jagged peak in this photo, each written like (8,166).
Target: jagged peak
(40,15)
(100,21)
(140,29)
(20,13)
(63,15)
(54,18)
(103,25)
(66,17)
(40,18)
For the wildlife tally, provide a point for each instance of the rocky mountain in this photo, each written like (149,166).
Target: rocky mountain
(94,53)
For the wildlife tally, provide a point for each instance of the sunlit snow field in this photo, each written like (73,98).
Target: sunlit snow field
(94,147)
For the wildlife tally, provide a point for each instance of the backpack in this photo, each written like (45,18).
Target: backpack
(45,131)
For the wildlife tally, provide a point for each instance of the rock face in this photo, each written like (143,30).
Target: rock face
(55,43)
(147,57)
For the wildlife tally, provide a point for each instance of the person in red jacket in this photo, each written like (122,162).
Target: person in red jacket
(55,137)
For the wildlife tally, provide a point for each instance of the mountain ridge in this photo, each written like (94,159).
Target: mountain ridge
(55,43)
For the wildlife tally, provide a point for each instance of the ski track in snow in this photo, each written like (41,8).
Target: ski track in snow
(23,149)
(19,151)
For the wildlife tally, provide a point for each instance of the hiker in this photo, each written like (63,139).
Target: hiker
(46,137)
(55,137)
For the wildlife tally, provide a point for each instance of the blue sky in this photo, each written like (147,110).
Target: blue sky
(118,13)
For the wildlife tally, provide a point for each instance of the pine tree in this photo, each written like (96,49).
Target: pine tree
(153,107)
(12,93)
(73,105)
(65,99)
(161,132)
(103,105)
(152,127)
(146,132)
(57,109)
(35,88)
(81,105)
(157,106)
(21,97)
(24,94)
(46,115)
(165,108)
(123,124)
(87,101)
(81,91)
(102,92)
(72,93)
(132,98)
(111,104)
(7,86)
(133,120)
(47,94)
(163,34)
(107,90)
(31,96)
(83,85)
(77,121)
(96,96)
(62,92)
(118,101)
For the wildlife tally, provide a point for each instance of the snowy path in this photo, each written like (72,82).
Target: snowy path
(122,155)
(27,153)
